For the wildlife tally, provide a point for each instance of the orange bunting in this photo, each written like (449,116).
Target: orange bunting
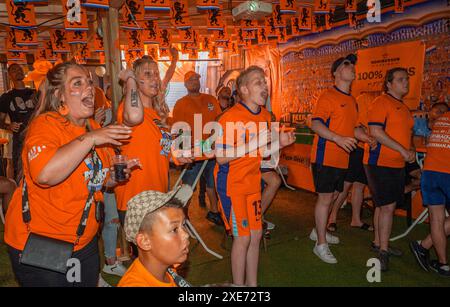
(11,42)
(26,37)
(20,14)
(220,36)
(132,15)
(77,37)
(16,57)
(179,14)
(152,50)
(329,19)
(135,40)
(249,24)
(287,6)
(98,43)
(263,39)
(351,6)
(193,54)
(277,15)
(58,38)
(321,6)
(75,16)
(186,36)
(352,21)
(215,20)
(399,6)
(282,36)
(164,39)
(213,52)
(249,34)
(163,52)
(305,17)
(150,33)
(205,43)
(132,55)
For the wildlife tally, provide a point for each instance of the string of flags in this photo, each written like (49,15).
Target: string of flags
(139,22)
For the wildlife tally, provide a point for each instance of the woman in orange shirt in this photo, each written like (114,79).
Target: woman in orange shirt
(150,140)
(65,167)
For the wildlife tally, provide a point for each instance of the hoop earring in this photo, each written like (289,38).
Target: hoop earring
(63,110)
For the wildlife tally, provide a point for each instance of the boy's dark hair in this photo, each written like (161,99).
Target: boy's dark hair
(149,219)
(242,79)
(390,76)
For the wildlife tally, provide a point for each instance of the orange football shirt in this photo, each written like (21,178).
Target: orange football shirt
(138,276)
(438,147)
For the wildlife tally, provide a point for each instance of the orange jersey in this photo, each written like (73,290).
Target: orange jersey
(242,175)
(336,110)
(100,99)
(363,104)
(186,107)
(55,210)
(438,148)
(138,276)
(397,122)
(151,144)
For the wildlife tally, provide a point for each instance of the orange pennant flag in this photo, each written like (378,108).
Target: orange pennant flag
(305,17)
(215,20)
(398,6)
(205,43)
(186,36)
(21,14)
(179,14)
(135,40)
(152,50)
(150,33)
(26,37)
(16,57)
(351,6)
(164,39)
(277,15)
(132,15)
(249,25)
(263,39)
(282,37)
(213,52)
(77,37)
(321,6)
(208,4)
(98,43)
(75,17)
(11,42)
(287,6)
(58,38)
(163,52)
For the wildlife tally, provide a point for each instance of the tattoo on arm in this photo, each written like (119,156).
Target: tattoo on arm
(80,138)
(134,98)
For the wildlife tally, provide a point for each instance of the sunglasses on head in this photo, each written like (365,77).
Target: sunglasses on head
(347,62)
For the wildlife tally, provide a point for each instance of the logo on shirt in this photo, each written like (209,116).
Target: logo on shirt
(34,152)
(166,139)
(97,182)
(210,106)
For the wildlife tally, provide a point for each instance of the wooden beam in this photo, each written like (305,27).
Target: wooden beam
(110,26)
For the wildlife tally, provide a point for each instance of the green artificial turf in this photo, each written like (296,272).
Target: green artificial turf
(289,260)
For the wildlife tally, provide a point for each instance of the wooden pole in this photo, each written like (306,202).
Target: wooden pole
(111,42)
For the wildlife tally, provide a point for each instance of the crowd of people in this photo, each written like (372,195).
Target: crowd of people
(69,189)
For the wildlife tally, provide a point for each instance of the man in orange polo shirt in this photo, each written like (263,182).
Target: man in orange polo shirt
(184,111)
(436,196)
(390,123)
(334,120)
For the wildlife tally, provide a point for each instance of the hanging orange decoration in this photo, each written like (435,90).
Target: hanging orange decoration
(164,39)
(132,15)
(98,43)
(135,40)
(58,38)
(208,4)
(77,37)
(249,24)
(287,6)
(11,42)
(215,20)
(26,37)
(21,14)
(321,6)
(157,5)
(263,39)
(150,33)
(305,17)
(351,6)
(213,52)
(179,14)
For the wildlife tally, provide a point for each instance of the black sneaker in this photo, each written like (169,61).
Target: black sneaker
(215,218)
(441,269)
(392,251)
(383,256)
(421,254)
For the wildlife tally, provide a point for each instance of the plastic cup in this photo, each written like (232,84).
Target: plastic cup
(120,164)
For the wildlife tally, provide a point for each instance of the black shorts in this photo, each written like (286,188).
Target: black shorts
(356,171)
(386,184)
(328,179)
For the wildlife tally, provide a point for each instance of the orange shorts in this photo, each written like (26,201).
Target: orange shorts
(241,213)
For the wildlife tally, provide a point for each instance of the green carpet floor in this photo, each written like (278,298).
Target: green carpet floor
(289,260)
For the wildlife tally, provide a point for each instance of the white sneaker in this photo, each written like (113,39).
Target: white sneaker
(330,238)
(114,269)
(102,283)
(270,225)
(323,252)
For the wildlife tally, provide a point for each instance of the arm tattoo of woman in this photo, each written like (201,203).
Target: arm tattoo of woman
(134,98)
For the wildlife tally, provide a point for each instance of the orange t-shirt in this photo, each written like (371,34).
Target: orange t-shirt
(100,99)
(204,104)
(151,144)
(336,110)
(363,103)
(138,276)
(397,122)
(242,175)
(438,148)
(55,210)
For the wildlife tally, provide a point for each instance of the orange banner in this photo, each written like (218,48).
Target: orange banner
(179,14)
(150,33)
(239,36)
(186,36)
(98,4)
(135,40)
(305,17)
(75,17)
(16,57)
(321,6)
(26,37)
(297,159)
(40,54)
(262,37)
(193,54)
(329,19)
(163,52)
(295,26)
(157,5)
(277,16)
(220,36)
(98,43)
(11,42)
(58,38)
(132,15)
(77,37)
(20,14)
(205,42)
(215,20)
(249,34)
(351,6)
(373,63)
(213,52)
(164,39)
(49,54)
(287,6)
(152,50)
(282,37)
(249,25)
